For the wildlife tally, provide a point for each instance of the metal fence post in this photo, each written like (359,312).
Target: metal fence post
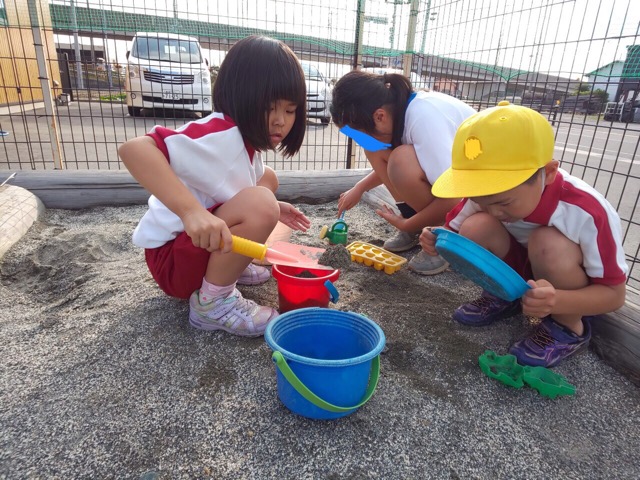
(45,85)
(357,63)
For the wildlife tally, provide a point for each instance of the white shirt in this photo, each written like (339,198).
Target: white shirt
(430,124)
(210,157)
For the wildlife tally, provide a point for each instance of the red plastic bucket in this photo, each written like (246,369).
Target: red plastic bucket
(299,292)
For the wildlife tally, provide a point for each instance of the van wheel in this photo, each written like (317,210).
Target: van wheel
(325,120)
(134,111)
(205,113)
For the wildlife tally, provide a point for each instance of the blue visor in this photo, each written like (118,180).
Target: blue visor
(364,140)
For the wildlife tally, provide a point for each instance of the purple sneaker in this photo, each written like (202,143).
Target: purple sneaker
(485,310)
(550,343)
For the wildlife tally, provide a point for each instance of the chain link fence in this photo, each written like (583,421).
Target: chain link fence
(67,76)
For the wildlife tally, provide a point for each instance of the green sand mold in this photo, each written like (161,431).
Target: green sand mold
(504,368)
(507,370)
(547,382)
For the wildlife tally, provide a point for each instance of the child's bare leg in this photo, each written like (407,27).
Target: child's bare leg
(558,260)
(488,232)
(253,213)
(380,162)
(409,180)
(269,179)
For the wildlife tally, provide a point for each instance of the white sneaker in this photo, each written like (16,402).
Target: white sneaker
(425,264)
(254,275)
(231,313)
(402,241)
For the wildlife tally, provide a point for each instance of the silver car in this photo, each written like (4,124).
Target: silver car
(319,93)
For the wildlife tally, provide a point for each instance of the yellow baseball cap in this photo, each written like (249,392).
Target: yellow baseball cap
(496,150)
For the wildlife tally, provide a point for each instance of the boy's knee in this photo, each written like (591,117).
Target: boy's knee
(547,246)
(478,223)
(487,231)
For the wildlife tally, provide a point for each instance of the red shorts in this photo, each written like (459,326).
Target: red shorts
(178,266)
(518,259)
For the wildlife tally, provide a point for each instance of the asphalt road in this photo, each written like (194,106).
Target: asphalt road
(90,133)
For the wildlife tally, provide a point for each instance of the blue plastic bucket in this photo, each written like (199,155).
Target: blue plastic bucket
(327,361)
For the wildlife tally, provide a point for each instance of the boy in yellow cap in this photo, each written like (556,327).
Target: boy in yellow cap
(556,231)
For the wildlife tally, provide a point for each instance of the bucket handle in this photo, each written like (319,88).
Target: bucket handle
(333,291)
(303,390)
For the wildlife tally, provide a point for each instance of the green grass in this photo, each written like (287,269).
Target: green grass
(113,98)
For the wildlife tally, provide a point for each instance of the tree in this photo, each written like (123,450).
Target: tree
(601,95)
(582,89)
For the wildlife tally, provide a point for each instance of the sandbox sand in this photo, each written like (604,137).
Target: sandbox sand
(103,377)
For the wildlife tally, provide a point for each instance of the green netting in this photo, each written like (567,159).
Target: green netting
(96,20)
(631,68)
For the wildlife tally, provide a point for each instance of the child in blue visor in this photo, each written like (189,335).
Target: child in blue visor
(407,138)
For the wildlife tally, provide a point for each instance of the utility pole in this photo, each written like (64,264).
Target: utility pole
(411,38)
(76,47)
(357,57)
(175,16)
(107,65)
(427,17)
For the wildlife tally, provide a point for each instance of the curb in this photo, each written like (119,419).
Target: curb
(19,209)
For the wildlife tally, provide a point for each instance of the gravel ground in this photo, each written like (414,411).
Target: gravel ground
(102,377)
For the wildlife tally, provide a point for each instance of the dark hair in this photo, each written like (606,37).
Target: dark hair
(533,178)
(256,72)
(358,94)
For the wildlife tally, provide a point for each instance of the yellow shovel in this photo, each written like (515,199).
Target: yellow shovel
(261,252)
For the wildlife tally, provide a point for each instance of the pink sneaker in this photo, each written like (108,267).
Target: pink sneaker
(231,313)
(254,275)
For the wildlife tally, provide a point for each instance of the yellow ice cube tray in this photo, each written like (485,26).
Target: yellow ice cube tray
(376,257)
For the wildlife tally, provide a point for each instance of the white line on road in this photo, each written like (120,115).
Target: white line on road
(596,154)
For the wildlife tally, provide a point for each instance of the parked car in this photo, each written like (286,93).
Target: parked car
(166,70)
(495,97)
(319,93)
(417,81)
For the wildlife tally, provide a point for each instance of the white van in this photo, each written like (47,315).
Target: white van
(166,70)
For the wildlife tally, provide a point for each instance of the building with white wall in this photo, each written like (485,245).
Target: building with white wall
(607,78)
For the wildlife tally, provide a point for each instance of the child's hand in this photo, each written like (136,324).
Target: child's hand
(390,216)
(293,218)
(207,231)
(348,200)
(540,299)
(428,241)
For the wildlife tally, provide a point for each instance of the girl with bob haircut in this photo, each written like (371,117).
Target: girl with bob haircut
(208,181)
(407,137)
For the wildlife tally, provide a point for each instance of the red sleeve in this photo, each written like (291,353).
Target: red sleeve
(192,130)
(453,213)
(159,134)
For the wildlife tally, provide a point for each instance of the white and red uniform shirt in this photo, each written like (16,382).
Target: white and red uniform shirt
(581,214)
(210,157)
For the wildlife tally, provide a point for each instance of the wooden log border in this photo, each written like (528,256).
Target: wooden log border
(78,189)
(616,336)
